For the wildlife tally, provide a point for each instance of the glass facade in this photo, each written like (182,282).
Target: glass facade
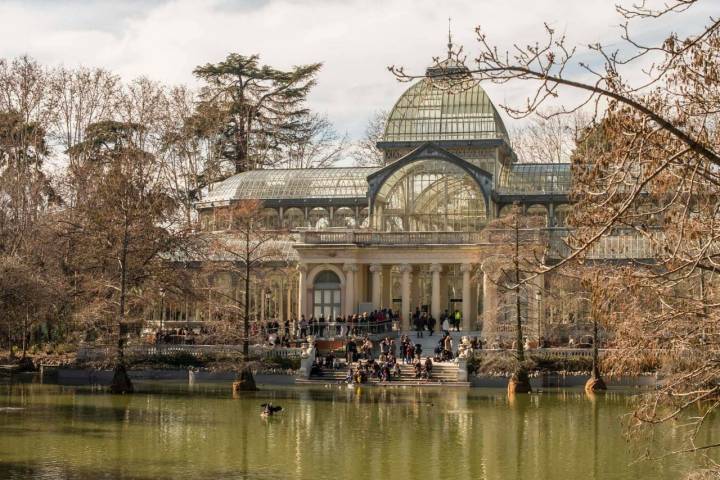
(430,195)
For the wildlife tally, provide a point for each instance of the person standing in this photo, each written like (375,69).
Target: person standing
(431,325)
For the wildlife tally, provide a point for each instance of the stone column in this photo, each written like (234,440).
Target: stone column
(349,307)
(405,313)
(490,299)
(377,284)
(302,291)
(262,303)
(435,308)
(387,296)
(466,269)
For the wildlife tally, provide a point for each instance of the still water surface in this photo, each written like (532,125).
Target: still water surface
(176,431)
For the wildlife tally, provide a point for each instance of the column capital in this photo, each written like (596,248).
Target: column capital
(466,267)
(436,267)
(406,268)
(302,267)
(350,267)
(376,268)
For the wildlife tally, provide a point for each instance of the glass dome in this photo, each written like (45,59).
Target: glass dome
(435,110)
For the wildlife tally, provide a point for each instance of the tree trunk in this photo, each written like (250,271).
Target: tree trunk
(24,334)
(520,380)
(121,382)
(595,382)
(245,381)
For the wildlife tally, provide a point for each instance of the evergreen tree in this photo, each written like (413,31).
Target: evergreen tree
(262,108)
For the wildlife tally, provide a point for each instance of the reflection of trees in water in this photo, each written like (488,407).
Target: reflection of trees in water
(333,432)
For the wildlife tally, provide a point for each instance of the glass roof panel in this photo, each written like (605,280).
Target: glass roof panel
(292,184)
(538,178)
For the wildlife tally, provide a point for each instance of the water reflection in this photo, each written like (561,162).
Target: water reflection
(172,431)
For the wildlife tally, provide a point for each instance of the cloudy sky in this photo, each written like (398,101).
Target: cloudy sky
(356,39)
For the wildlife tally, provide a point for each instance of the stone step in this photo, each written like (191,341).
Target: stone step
(394,383)
(442,373)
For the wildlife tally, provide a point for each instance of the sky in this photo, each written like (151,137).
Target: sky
(356,40)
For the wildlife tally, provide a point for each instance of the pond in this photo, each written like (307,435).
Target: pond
(179,431)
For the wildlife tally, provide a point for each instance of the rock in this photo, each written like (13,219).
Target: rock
(519,382)
(121,382)
(246,382)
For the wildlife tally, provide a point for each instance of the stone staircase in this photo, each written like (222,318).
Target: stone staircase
(429,343)
(443,374)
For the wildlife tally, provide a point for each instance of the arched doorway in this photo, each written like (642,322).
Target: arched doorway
(326,295)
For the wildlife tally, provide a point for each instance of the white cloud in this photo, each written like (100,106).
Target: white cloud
(356,39)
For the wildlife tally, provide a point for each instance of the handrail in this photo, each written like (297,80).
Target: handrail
(351,237)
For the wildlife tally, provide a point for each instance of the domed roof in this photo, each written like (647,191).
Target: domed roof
(448,104)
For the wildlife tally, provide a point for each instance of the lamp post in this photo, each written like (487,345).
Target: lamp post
(538,298)
(162,309)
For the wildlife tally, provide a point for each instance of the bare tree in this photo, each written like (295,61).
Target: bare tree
(365,151)
(517,255)
(189,152)
(315,144)
(242,253)
(119,232)
(548,138)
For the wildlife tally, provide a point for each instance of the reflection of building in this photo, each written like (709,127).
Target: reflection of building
(410,233)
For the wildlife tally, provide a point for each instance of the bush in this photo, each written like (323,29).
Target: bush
(176,359)
(283,363)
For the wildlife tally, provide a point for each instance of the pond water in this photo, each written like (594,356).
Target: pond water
(175,431)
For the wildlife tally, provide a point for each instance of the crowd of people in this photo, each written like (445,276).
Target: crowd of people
(377,321)
(423,321)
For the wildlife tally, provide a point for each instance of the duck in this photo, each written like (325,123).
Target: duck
(269,409)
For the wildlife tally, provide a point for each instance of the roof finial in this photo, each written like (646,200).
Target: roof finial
(450,44)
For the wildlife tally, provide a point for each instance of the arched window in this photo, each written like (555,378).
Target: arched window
(319,217)
(431,195)
(537,210)
(364,220)
(505,211)
(326,295)
(270,218)
(561,215)
(344,217)
(293,218)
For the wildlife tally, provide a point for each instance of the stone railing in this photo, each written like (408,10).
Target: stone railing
(619,246)
(101,352)
(542,352)
(351,237)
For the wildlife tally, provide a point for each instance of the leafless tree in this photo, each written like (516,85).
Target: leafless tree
(314,144)
(548,138)
(365,151)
